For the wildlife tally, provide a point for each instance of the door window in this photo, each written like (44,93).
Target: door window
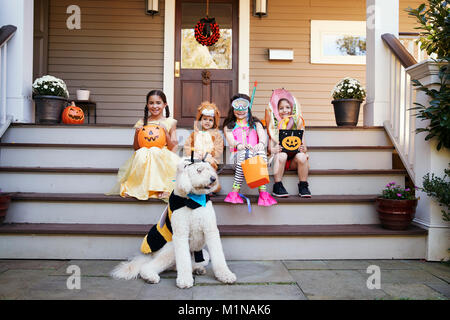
(193,54)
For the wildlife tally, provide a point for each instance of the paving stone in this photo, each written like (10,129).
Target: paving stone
(13,283)
(438,269)
(31,264)
(347,264)
(408,277)
(443,289)
(248,292)
(335,284)
(95,268)
(392,264)
(411,291)
(91,288)
(305,264)
(166,289)
(251,272)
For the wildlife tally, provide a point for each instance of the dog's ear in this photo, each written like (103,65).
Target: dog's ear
(183,185)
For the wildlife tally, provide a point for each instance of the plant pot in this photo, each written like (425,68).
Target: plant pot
(83,94)
(4,205)
(49,109)
(346,111)
(396,214)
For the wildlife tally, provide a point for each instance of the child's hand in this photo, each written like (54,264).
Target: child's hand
(302,148)
(259,147)
(276,149)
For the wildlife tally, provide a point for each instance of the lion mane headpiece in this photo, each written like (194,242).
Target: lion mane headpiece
(210,109)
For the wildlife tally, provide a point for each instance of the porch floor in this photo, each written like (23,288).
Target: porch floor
(256,280)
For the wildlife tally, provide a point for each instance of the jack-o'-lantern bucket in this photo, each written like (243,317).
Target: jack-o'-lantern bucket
(152,135)
(255,171)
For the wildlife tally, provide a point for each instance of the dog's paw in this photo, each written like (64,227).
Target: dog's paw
(226,276)
(185,282)
(199,270)
(150,277)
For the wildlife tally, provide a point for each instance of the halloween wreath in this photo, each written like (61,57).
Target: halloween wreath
(207,31)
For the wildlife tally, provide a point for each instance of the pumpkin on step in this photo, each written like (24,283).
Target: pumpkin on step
(73,114)
(152,135)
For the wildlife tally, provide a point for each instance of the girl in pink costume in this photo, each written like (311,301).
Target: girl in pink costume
(245,133)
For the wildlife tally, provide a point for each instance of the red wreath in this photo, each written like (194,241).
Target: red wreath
(207,31)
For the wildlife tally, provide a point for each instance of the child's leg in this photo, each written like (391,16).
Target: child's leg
(238,173)
(279,165)
(301,160)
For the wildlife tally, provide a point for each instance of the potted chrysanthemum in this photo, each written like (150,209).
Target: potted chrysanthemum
(348,94)
(396,206)
(50,95)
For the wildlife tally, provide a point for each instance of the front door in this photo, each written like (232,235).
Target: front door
(202,72)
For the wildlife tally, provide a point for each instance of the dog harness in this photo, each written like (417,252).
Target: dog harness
(161,233)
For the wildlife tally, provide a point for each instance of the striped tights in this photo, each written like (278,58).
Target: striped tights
(239,157)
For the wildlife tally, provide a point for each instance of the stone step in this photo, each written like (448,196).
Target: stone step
(105,155)
(102,180)
(243,242)
(119,134)
(99,208)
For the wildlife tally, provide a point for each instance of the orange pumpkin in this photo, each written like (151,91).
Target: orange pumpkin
(152,135)
(73,114)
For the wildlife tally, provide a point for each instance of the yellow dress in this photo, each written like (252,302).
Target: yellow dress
(150,171)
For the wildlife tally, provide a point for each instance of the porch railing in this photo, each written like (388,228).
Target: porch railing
(6,33)
(400,124)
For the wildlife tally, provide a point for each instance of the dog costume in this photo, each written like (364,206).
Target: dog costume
(161,233)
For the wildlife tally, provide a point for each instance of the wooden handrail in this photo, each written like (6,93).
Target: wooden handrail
(6,32)
(405,58)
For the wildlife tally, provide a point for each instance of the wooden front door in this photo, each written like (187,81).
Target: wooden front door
(201,72)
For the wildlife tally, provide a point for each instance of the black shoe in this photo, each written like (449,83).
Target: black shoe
(303,190)
(279,190)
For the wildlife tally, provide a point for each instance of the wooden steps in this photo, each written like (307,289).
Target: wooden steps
(58,176)
(225,230)
(98,197)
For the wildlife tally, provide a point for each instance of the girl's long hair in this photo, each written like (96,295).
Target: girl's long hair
(230,120)
(160,94)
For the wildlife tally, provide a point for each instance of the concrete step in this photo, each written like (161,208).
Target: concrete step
(106,155)
(102,209)
(102,180)
(244,242)
(119,134)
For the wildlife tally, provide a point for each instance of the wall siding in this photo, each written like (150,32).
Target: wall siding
(288,26)
(117,54)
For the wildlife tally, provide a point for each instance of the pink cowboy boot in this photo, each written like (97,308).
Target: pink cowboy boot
(233,197)
(265,199)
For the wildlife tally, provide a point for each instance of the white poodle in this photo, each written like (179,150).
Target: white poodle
(193,224)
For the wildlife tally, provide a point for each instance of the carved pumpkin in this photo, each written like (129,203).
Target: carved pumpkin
(73,115)
(291,143)
(152,135)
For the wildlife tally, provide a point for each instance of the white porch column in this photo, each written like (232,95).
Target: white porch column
(429,160)
(20,58)
(382,17)
(169,53)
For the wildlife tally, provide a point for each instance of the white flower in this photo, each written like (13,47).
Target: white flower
(350,90)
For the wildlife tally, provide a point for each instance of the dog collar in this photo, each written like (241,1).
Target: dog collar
(198,198)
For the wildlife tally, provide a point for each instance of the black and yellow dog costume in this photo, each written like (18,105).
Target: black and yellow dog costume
(161,233)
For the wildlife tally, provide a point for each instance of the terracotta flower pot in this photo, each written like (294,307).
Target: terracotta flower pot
(4,205)
(396,214)
(346,111)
